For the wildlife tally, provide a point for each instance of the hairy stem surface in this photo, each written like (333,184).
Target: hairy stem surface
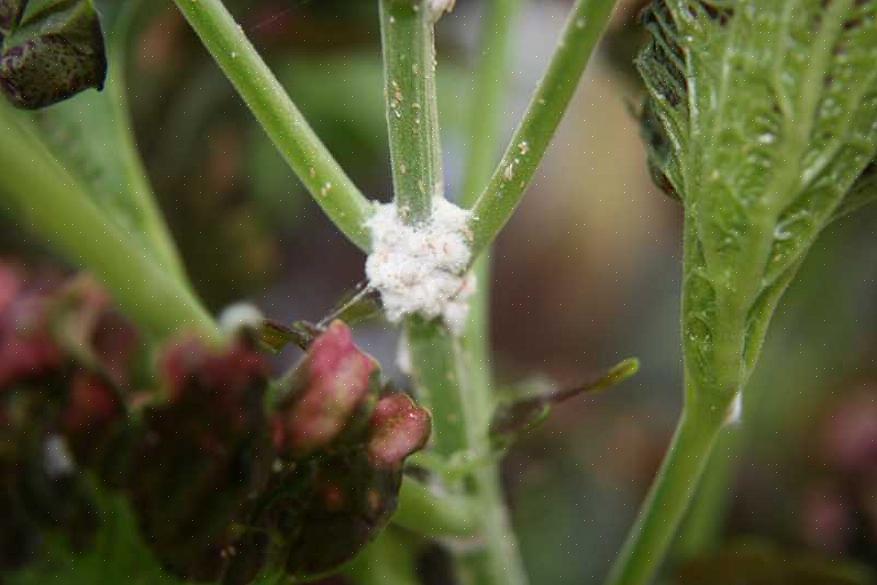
(407,35)
(423,512)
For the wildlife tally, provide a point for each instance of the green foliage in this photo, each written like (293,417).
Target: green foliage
(91,137)
(863,191)
(118,555)
(759,563)
(761,115)
(52,50)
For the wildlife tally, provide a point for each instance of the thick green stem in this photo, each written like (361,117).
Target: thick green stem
(446,368)
(437,375)
(281,119)
(155,228)
(701,531)
(668,499)
(498,562)
(486,103)
(388,560)
(423,512)
(46,199)
(407,34)
(498,202)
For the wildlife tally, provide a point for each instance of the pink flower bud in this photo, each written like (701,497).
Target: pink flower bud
(398,428)
(332,382)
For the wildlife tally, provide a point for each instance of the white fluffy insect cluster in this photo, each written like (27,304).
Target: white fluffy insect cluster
(422,269)
(439,7)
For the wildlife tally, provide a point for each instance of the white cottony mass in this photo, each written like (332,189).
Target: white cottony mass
(439,7)
(422,269)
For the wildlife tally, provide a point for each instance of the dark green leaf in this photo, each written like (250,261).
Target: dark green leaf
(10,14)
(118,554)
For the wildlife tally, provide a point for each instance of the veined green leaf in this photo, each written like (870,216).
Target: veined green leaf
(863,192)
(761,115)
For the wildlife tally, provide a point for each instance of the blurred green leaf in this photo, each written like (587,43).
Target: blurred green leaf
(118,555)
(761,564)
(92,138)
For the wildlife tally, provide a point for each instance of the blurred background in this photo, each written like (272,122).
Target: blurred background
(587,273)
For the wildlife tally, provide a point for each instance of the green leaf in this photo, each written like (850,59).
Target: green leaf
(91,136)
(53,50)
(10,14)
(759,563)
(117,555)
(760,117)
(863,192)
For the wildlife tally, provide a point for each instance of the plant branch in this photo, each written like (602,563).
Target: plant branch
(283,122)
(388,560)
(45,198)
(407,35)
(701,531)
(668,499)
(498,202)
(437,376)
(155,227)
(486,102)
(425,513)
(499,561)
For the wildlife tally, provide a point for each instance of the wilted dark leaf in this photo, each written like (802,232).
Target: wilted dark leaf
(51,54)
(200,456)
(10,14)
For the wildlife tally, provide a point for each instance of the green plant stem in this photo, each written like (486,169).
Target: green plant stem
(498,202)
(499,561)
(407,35)
(437,376)
(669,496)
(423,512)
(442,365)
(388,560)
(278,115)
(487,101)
(701,530)
(155,227)
(46,199)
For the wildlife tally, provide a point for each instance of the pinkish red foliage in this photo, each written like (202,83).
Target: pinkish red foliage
(333,381)
(398,428)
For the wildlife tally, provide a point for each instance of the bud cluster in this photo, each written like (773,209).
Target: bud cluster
(222,479)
